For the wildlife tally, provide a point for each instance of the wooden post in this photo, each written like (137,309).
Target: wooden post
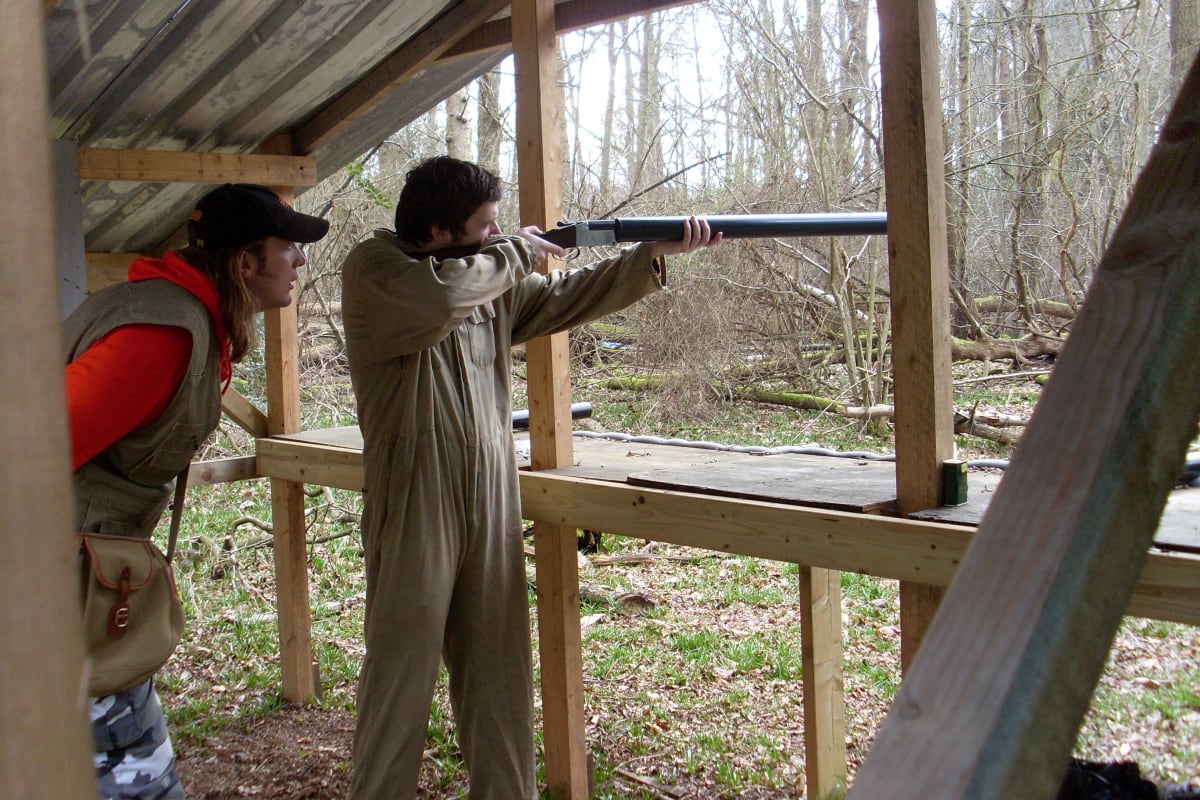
(993,702)
(916,204)
(300,681)
(45,752)
(824,698)
(560,647)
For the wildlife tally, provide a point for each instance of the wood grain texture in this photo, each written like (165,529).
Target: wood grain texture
(247,415)
(886,547)
(549,390)
(105,269)
(300,683)
(42,681)
(824,695)
(919,274)
(1169,587)
(993,702)
(167,166)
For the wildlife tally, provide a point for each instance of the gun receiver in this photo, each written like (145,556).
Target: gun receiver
(597,232)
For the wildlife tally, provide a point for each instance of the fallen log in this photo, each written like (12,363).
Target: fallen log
(1020,351)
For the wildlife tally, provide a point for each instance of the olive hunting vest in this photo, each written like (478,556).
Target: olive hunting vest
(124,490)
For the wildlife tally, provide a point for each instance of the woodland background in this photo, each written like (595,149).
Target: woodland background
(773,106)
(1050,108)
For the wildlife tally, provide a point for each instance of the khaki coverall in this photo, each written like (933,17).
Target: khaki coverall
(428,345)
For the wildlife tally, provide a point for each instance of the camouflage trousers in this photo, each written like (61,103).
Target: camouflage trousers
(134,758)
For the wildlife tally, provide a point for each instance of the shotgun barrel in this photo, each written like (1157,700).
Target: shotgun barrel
(598,232)
(520,416)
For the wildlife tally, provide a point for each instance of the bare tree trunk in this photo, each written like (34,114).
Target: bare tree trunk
(570,126)
(610,105)
(1028,202)
(649,108)
(490,124)
(458,129)
(630,146)
(1185,39)
(958,184)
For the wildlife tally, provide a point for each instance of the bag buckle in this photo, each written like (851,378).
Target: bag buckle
(118,615)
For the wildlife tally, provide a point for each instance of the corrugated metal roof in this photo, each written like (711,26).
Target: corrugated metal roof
(224,76)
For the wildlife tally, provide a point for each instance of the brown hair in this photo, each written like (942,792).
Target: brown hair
(445,192)
(238,305)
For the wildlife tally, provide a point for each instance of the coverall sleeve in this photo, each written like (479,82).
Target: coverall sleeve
(545,304)
(395,305)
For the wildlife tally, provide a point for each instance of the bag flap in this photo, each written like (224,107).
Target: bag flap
(110,555)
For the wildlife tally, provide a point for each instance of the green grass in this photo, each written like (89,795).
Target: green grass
(701,692)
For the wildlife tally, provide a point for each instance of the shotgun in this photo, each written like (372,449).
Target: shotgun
(598,232)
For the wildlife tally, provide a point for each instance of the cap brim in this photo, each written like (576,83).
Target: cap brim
(303,228)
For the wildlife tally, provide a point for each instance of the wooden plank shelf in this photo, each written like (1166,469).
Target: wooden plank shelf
(601,491)
(1178,528)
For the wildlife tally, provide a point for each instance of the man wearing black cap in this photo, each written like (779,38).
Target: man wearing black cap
(147,362)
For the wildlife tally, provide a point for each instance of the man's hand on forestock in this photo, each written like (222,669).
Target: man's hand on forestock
(696,234)
(542,249)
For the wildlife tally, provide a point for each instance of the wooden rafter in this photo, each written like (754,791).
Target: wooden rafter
(169,166)
(570,16)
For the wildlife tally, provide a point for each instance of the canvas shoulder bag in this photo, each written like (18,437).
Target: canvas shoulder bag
(132,616)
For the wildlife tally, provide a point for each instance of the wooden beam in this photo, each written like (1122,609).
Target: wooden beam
(417,53)
(569,16)
(300,682)
(105,269)
(539,111)
(247,415)
(41,672)
(916,203)
(168,166)
(222,470)
(886,547)
(992,705)
(304,462)
(824,696)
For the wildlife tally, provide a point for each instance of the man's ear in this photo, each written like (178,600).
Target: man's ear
(439,237)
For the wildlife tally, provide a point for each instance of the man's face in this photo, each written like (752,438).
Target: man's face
(478,227)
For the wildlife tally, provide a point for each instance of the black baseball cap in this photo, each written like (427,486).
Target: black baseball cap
(237,214)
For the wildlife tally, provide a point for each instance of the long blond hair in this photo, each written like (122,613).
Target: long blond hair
(238,305)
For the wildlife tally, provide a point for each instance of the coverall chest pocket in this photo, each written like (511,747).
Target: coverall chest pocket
(481,339)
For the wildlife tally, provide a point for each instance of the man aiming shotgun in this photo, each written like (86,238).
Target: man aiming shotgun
(431,312)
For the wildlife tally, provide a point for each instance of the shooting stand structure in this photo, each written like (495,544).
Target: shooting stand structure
(991,705)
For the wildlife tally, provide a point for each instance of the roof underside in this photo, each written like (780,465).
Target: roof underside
(225,76)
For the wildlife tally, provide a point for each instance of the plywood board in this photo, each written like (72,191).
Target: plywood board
(820,481)
(1178,528)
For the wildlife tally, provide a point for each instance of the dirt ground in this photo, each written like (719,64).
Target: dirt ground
(297,753)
